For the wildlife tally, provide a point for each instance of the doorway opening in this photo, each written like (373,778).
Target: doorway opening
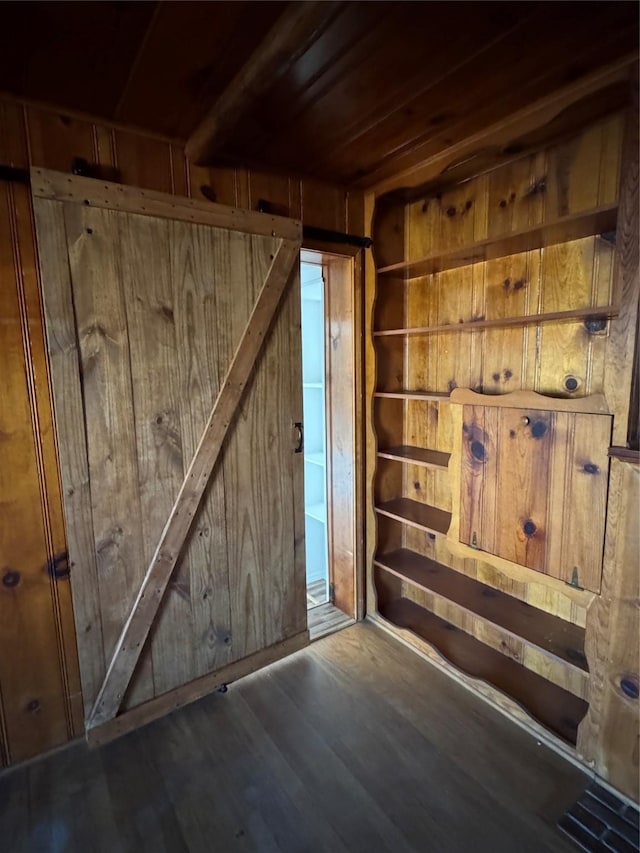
(315,447)
(329,371)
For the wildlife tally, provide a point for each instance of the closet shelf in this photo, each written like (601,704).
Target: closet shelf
(416,514)
(555,637)
(312,385)
(416,456)
(597,312)
(551,705)
(315,458)
(599,220)
(413,395)
(316,511)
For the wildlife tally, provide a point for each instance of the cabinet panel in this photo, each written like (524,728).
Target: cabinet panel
(534,487)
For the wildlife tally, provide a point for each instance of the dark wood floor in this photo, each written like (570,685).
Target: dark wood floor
(355,744)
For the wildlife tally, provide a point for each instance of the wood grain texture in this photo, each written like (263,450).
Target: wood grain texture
(146,276)
(557,638)
(49,475)
(595,404)
(33,704)
(510,350)
(111,244)
(180,520)
(48,138)
(199,259)
(96,269)
(63,187)
(554,707)
(281,46)
(571,227)
(533,488)
(609,738)
(65,360)
(340,356)
(193,690)
(411,717)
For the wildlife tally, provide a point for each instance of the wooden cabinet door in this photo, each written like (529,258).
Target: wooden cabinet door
(534,489)
(174,338)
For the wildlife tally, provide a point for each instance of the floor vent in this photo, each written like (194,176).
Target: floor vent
(600,822)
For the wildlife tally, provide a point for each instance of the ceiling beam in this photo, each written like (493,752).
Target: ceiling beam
(286,41)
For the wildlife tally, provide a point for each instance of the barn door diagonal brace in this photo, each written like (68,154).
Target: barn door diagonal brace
(176,530)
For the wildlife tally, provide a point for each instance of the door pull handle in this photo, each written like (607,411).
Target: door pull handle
(300,428)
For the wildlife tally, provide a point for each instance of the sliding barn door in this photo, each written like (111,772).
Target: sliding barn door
(174,339)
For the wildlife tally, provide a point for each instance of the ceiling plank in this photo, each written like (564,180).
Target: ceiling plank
(285,42)
(491,141)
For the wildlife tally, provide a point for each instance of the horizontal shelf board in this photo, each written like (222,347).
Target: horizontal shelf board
(416,455)
(312,385)
(555,708)
(314,458)
(624,453)
(576,315)
(413,395)
(573,227)
(554,636)
(316,511)
(416,514)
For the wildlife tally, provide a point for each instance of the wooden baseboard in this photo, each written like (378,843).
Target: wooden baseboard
(187,693)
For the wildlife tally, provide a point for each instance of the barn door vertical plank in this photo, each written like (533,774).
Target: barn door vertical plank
(143,613)
(199,258)
(233,304)
(150,314)
(258,459)
(64,357)
(96,274)
(287,608)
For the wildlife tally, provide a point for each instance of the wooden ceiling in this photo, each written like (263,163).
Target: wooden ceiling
(350,92)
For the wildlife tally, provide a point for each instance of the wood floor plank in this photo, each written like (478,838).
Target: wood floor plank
(353,744)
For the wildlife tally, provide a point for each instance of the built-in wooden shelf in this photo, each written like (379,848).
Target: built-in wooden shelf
(312,385)
(413,395)
(555,637)
(555,708)
(599,220)
(416,456)
(604,312)
(416,514)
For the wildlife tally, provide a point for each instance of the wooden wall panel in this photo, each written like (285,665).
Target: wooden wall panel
(596,168)
(39,619)
(36,691)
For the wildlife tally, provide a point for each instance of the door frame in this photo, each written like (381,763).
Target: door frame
(311,251)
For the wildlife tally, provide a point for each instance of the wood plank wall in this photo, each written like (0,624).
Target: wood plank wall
(577,175)
(595,169)
(40,698)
